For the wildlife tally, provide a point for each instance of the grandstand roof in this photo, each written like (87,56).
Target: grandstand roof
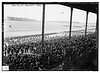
(87,6)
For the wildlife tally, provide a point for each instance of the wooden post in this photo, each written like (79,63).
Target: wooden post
(70,23)
(86,22)
(43,20)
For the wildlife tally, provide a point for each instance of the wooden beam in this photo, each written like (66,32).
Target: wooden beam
(70,23)
(43,22)
(86,23)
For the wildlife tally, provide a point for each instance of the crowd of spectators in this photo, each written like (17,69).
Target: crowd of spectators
(29,55)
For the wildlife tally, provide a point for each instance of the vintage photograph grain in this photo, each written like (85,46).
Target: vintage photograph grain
(50,36)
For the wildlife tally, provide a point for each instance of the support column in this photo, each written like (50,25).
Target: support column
(86,22)
(43,22)
(70,23)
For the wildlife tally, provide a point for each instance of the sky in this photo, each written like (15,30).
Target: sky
(53,12)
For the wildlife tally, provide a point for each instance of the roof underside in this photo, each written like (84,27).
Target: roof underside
(90,6)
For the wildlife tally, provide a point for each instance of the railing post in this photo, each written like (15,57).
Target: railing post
(43,22)
(70,23)
(86,22)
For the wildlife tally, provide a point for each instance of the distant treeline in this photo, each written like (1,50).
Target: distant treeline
(20,19)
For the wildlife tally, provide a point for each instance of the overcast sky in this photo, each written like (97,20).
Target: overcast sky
(54,12)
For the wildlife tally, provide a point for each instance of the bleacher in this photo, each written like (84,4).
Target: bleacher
(78,53)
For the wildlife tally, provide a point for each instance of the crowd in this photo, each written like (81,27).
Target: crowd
(30,55)
(79,53)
